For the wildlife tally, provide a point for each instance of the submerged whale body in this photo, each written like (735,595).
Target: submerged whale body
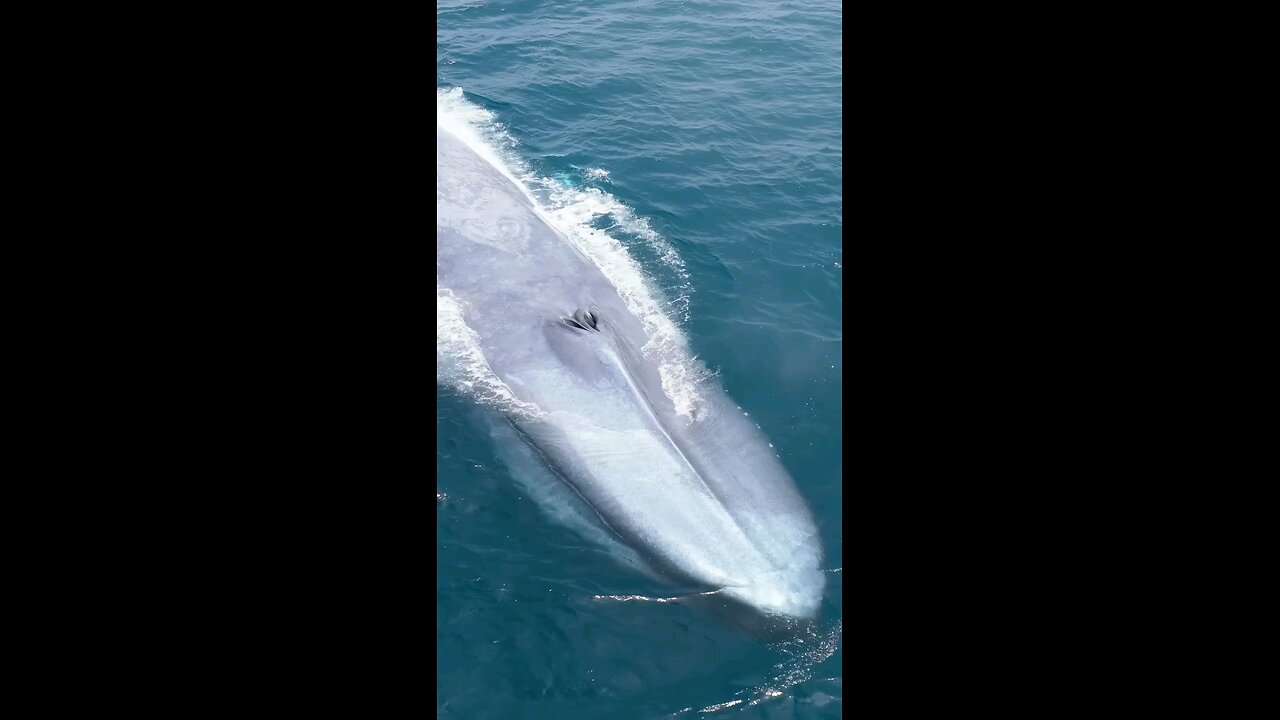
(697,493)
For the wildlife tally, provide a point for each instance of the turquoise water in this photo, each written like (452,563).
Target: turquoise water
(705,137)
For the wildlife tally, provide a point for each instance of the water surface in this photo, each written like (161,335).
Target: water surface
(703,138)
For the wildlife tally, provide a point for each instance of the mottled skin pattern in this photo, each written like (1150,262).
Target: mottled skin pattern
(703,499)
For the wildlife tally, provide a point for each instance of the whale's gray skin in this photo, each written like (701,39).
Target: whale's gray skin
(702,499)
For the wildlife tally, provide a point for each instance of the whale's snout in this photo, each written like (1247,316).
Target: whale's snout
(792,593)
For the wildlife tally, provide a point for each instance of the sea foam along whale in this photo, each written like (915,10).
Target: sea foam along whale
(693,488)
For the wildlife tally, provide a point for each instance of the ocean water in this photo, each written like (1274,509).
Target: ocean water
(697,147)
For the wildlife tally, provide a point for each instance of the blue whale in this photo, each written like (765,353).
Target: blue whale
(540,332)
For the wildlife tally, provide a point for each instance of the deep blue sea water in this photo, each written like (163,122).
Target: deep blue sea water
(705,137)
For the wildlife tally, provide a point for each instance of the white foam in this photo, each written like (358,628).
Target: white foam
(720,706)
(460,363)
(646,598)
(573,211)
(476,128)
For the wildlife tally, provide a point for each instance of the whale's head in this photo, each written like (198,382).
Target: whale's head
(703,499)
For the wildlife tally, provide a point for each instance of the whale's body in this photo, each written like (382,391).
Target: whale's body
(700,496)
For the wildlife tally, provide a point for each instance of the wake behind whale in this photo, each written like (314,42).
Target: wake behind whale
(595,388)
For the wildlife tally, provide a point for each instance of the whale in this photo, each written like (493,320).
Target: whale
(692,489)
